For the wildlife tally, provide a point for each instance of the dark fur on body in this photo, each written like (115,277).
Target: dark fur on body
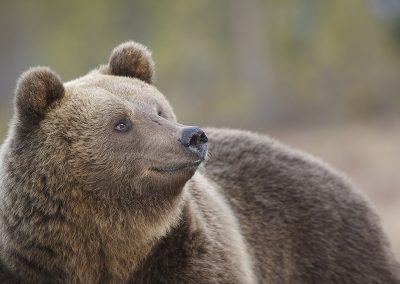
(82,204)
(304,222)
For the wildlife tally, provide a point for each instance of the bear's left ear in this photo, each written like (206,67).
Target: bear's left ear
(36,90)
(131,59)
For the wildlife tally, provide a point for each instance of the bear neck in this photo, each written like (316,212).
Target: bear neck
(125,239)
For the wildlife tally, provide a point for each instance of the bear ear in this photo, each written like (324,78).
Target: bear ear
(36,90)
(131,59)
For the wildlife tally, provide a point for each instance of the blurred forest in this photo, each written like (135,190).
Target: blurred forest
(320,75)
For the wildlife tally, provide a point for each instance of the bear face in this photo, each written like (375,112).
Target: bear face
(110,135)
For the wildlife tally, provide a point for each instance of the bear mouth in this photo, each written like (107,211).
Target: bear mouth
(175,168)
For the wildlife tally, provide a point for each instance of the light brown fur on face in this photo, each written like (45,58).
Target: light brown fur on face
(85,201)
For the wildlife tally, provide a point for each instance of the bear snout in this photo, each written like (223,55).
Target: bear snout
(194,139)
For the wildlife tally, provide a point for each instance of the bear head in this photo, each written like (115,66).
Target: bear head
(108,141)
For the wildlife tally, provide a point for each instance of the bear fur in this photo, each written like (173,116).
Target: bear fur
(83,202)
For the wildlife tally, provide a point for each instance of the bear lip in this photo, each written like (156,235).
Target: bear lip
(175,168)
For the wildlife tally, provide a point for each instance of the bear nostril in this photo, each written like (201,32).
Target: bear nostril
(194,141)
(203,138)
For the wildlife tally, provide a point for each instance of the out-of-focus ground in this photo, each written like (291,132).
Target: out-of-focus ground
(368,154)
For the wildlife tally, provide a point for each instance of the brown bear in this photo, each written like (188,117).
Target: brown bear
(99,183)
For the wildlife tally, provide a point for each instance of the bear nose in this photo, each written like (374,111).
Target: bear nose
(195,139)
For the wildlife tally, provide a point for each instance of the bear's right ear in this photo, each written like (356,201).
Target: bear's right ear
(36,90)
(131,59)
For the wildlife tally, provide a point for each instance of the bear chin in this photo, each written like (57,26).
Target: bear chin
(170,179)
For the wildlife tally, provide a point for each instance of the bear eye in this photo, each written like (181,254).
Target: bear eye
(159,113)
(123,125)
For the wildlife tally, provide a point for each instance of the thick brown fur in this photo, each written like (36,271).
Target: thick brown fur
(36,90)
(82,203)
(131,59)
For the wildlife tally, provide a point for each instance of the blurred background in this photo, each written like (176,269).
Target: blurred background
(323,76)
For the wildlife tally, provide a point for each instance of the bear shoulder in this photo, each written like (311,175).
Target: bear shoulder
(309,211)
